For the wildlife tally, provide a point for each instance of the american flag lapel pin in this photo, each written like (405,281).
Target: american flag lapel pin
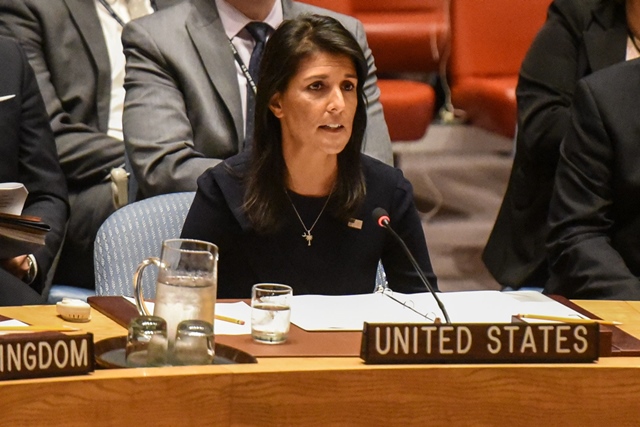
(355,223)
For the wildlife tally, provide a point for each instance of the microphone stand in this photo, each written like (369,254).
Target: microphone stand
(383,221)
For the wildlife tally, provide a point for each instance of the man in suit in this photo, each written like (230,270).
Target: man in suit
(594,215)
(578,38)
(75,50)
(185,107)
(28,155)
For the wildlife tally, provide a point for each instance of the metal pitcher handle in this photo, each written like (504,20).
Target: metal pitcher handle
(137,288)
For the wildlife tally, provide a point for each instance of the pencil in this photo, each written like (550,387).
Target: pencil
(229,319)
(567,319)
(32,328)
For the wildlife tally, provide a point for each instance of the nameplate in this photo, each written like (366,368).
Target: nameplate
(480,343)
(45,354)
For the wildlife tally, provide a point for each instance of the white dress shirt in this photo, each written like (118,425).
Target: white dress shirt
(112,31)
(234,22)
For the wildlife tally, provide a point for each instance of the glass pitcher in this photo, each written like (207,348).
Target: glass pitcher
(187,283)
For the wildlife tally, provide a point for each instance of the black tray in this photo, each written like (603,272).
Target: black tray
(110,354)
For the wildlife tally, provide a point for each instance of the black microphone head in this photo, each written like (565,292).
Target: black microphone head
(380,216)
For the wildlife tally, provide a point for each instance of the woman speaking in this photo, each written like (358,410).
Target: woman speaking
(296,208)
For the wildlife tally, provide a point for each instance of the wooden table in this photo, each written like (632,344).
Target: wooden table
(331,391)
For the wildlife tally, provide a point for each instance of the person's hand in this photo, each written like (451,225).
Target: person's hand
(18,266)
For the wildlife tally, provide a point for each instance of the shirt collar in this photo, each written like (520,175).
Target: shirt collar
(234,21)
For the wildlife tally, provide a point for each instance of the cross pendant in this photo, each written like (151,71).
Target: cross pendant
(307,235)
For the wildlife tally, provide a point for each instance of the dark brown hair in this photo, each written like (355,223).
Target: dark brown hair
(294,41)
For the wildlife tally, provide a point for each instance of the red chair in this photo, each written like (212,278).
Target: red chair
(408,108)
(340,6)
(404,35)
(489,39)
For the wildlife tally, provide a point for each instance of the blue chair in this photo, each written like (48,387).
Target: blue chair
(135,232)
(58,292)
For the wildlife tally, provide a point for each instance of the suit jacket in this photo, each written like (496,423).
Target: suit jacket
(65,45)
(183,111)
(28,153)
(342,260)
(578,38)
(594,216)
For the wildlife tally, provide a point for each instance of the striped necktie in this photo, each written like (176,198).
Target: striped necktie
(259,31)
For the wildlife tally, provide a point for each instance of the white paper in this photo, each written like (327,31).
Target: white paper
(532,302)
(236,310)
(348,313)
(12,197)
(11,322)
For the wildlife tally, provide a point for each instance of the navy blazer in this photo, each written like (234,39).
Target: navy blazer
(341,260)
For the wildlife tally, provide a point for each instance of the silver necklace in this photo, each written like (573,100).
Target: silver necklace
(307,231)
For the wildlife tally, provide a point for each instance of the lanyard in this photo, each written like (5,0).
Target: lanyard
(244,68)
(115,16)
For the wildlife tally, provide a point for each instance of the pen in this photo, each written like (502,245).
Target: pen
(31,328)
(567,319)
(229,319)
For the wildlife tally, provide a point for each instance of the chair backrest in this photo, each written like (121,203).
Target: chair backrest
(340,6)
(397,5)
(348,7)
(135,232)
(491,37)
(405,36)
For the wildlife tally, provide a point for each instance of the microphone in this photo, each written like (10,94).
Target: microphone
(381,217)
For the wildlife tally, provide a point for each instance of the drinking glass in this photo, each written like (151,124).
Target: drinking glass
(146,342)
(194,343)
(270,312)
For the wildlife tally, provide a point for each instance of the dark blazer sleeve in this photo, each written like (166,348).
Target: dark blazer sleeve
(582,214)
(405,221)
(210,217)
(67,75)
(547,81)
(38,168)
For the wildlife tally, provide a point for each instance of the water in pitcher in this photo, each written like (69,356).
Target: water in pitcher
(181,298)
